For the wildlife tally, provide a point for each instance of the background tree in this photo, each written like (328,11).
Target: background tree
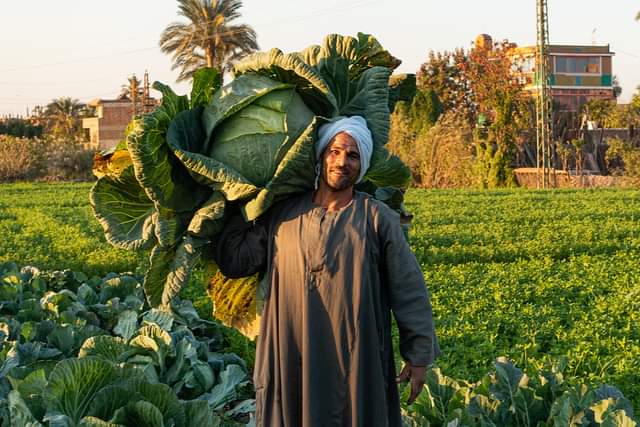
(19,127)
(125,89)
(445,74)
(598,110)
(635,100)
(63,116)
(209,39)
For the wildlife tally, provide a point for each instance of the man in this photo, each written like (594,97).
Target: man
(337,264)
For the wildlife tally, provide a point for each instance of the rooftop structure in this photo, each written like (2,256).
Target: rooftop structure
(578,73)
(107,128)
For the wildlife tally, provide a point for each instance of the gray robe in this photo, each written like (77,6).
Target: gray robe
(324,354)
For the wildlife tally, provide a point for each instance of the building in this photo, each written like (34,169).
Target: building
(578,73)
(107,128)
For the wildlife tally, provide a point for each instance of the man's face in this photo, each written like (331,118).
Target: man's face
(341,163)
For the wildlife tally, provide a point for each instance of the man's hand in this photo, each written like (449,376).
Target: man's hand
(416,375)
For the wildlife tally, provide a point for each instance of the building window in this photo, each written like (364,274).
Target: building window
(578,64)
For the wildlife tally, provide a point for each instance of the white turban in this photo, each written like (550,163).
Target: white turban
(356,127)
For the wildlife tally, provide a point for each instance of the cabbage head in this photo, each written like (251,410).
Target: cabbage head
(239,148)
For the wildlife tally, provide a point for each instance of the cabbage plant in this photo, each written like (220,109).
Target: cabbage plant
(238,149)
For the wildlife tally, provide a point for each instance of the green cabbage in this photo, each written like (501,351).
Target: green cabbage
(247,144)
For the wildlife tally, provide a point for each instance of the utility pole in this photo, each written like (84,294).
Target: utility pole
(134,93)
(544,112)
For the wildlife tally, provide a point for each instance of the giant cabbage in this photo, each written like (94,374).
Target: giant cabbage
(238,149)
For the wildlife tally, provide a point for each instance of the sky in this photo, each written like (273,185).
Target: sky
(87,49)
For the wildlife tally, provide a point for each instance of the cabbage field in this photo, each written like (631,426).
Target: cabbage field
(551,281)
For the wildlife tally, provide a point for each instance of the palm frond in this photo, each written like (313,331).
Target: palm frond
(209,34)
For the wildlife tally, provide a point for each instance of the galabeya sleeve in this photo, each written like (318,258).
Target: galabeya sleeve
(407,291)
(241,249)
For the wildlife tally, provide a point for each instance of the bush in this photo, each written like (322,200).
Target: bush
(440,156)
(26,159)
(623,158)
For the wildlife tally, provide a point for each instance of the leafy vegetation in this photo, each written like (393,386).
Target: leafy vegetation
(19,127)
(534,276)
(482,113)
(538,277)
(80,351)
(49,158)
(509,397)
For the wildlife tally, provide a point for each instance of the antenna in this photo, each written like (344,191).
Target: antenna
(544,123)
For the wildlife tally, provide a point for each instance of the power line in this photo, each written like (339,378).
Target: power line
(319,12)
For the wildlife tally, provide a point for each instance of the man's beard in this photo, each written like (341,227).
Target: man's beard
(340,184)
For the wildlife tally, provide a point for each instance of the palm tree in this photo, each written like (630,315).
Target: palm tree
(63,115)
(125,89)
(208,39)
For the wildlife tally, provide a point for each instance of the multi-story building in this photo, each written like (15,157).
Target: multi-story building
(578,73)
(107,128)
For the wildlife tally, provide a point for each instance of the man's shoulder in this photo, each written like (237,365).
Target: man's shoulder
(378,209)
(289,207)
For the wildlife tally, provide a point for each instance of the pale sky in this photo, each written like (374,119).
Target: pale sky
(87,48)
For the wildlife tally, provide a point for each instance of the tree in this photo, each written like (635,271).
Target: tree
(208,39)
(444,73)
(635,101)
(125,89)
(63,116)
(599,110)
(617,89)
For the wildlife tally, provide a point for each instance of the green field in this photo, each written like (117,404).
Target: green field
(535,276)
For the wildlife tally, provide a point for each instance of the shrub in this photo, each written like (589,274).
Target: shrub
(440,156)
(25,159)
(623,158)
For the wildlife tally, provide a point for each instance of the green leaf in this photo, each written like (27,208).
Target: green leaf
(169,270)
(241,92)
(19,412)
(206,81)
(294,69)
(162,318)
(198,413)
(113,349)
(402,87)
(144,414)
(73,384)
(124,211)
(111,398)
(245,407)
(118,287)
(165,181)
(387,170)
(96,422)
(127,324)
(295,174)
(225,391)
(369,97)
(618,418)
(62,338)
(162,397)
(155,342)
(171,104)
(207,221)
